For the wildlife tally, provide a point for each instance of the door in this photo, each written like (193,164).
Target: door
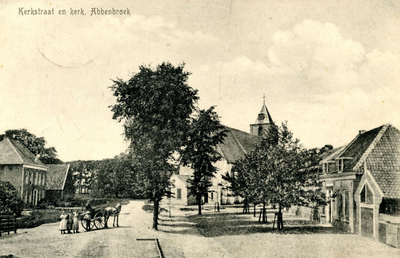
(367,222)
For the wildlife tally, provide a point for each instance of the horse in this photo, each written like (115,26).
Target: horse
(113,211)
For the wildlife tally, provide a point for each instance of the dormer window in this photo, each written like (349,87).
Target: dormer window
(261,117)
(340,165)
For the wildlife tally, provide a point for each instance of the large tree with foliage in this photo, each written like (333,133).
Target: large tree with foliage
(116,177)
(155,106)
(36,145)
(278,170)
(200,153)
(10,202)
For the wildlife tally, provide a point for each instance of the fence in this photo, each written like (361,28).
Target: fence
(7,223)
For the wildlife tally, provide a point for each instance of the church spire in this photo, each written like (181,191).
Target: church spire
(263,121)
(264,116)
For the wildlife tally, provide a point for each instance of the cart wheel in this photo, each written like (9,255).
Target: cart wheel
(85,224)
(99,220)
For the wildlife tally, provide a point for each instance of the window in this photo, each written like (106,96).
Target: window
(260,131)
(340,165)
(178,193)
(346,205)
(366,195)
(339,206)
(261,116)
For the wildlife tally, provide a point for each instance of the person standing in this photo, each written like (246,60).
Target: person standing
(75,223)
(63,223)
(69,222)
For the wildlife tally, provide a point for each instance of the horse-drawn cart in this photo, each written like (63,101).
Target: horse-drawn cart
(98,218)
(95,218)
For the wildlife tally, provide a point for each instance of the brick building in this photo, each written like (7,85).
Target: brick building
(23,170)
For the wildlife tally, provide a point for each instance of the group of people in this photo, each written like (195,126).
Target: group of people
(69,222)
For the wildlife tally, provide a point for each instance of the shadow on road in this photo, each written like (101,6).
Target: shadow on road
(223,224)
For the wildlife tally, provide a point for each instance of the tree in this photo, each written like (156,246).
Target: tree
(84,174)
(200,153)
(155,106)
(115,177)
(248,180)
(9,200)
(277,170)
(36,145)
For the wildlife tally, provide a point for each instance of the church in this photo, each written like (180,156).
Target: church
(236,145)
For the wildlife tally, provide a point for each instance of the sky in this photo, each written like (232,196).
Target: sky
(329,68)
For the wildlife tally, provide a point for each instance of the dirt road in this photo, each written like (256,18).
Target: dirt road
(211,235)
(46,240)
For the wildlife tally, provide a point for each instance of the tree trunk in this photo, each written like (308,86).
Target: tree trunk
(155,214)
(254,210)
(265,220)
(280,218)
(199,204)
(245,207)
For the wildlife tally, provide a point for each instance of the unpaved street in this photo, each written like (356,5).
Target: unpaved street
(46,240)
(224,234)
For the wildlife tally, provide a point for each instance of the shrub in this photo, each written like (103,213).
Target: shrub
(9,200)
(39,217)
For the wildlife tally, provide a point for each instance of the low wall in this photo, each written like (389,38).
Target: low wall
(389,234)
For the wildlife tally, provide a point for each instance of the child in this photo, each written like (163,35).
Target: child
(63,223)
(69,222)
(75,224)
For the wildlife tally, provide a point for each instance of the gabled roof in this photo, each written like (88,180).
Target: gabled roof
(13,152)
(377,150)
(357,149)
(236,144)
(56,176)
(383,162)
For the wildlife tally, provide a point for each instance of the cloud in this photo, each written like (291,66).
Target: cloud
(55,74)
(313,75)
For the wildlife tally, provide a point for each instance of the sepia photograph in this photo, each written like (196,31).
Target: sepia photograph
(200,128)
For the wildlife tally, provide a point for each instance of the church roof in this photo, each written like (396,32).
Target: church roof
(13,152)
(236,144)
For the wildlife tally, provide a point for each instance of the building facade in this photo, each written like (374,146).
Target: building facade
(362,181)
(23,170)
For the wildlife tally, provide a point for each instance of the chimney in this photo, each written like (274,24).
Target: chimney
(361,131)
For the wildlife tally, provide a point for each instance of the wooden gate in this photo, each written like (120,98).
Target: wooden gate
(7,223)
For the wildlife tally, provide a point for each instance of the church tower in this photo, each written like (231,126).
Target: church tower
(263,121)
